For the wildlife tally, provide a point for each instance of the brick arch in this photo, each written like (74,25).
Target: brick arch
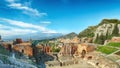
(83,53)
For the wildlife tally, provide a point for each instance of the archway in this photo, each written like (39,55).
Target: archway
(83,53)
(22,50)
(10,47)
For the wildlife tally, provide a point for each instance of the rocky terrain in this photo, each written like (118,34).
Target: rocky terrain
(106,28)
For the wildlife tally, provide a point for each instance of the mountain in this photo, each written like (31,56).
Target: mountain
(106,29)
(70,35)
(34,36)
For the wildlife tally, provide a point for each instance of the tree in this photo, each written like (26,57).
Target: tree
(54,48)
(96,40)
(100,39)
(108,36)
(115,31)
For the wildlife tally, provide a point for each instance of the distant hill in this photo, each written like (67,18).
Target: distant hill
(34,36)
(106,29)
(70,35)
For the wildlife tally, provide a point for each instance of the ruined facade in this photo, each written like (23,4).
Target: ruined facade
(18,41)
(76,49)
(84,48)
(8,46)
(24,48)
(68,49)
(44,48)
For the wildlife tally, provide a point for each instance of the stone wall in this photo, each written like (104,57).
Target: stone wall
(24,48)
(68,49)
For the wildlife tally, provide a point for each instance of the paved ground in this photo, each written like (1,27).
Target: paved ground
(81,64)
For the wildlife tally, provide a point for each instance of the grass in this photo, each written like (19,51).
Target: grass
(114,44)
(106,49)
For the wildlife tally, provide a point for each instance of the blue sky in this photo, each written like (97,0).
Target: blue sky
(19,17)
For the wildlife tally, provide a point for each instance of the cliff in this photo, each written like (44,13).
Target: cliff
(105,30)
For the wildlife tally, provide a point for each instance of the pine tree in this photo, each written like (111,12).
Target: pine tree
(115,31)
(96,40)
(101,39)
(108,36)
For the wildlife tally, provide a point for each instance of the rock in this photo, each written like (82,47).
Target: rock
(20,64)
(1,62)
(103,29)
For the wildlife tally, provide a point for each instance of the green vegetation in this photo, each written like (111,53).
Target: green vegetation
(100,39)
(107,21)
(54,47)
(35,42)
(115,31)
(56,50)
(3,51)
(109,48)
(114,44)
(4,59)
(108,36)
(106,49)
(3,54)
(89,32)
(69,36)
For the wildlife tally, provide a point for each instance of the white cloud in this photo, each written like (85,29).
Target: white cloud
(24,8)
(4,27)
(21,28)
(14,30)
(22,24)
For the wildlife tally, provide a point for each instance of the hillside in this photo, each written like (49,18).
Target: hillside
(108,21)
(89,32)
(70,35)
(34,36)
(106,29)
